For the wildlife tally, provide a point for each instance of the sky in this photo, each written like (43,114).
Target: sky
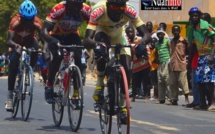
(135,3)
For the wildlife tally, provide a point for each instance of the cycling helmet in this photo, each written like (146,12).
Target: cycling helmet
(81,1)
(117,1)
(194,10)
(28,10)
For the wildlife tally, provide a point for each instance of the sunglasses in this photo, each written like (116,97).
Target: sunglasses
(114,7)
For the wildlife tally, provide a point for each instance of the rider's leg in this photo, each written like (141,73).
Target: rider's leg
(13,68)
(75,39)
(101,64)
(53,68)
(34,55)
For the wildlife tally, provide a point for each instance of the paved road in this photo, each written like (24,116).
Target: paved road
(147,118)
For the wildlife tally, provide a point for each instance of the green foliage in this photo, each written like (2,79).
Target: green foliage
(8,8)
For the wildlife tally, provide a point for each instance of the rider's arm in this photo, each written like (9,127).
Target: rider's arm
(14,23)
(142,29)
(38,24)
(44,33)
(87,54)
(88,40)
(10,42)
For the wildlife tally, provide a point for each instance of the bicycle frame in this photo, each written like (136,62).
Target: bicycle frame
(69,63)
(63,94)
(111,105)
(116,67)
(24,63)
(24,89)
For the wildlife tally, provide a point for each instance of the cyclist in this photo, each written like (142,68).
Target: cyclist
(107,22)
(61,26)
(21,33)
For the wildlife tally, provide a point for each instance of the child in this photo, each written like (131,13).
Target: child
(178,67)
(163,55)
(141,67)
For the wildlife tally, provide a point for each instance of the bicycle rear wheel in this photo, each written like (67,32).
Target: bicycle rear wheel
(27,92)
(123,128)
(57,107)
(75,106)
(15,96)
(105,118)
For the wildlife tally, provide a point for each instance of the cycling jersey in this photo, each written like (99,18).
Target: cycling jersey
(24,33)
(64,24)
(99,17)
(100,22)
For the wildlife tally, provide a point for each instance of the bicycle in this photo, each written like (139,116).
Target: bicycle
(110,105)
(68,77)
(24,85)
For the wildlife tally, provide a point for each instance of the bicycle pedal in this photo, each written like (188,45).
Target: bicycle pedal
(9,110)
(96,107)
(27,93)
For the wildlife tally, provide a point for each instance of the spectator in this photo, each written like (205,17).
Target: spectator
(154,67)
(178,69)
(164,26)
(192,63)
(163,55)
(203,35)
(209,93)
(206,17)
(85,55)
(43,68)
(141,67)
(149,26)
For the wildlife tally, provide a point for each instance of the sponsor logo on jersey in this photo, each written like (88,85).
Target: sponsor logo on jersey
(57,12)
(86,10)
(131,12)
(69,24)
(96,14)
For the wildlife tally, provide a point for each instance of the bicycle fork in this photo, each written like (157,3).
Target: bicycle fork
(66,83)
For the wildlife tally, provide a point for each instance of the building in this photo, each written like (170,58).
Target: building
(178,17)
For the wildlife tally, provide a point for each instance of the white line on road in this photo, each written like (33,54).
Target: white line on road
(146,123)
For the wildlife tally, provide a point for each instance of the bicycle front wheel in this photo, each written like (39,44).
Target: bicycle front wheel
(75,98)
(57,107)
(27,92)
(105,116)
(123,128)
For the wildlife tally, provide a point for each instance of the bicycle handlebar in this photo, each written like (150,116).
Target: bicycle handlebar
(68,46)
(30,50)
(71,46)
(114,46)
